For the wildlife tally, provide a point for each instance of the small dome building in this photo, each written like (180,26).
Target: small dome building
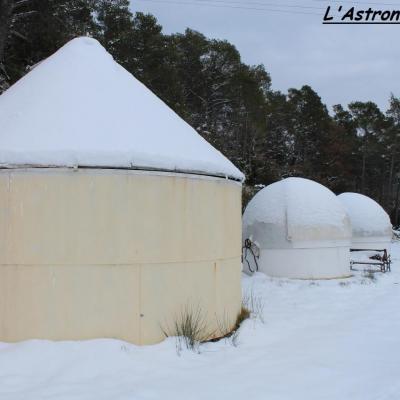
(371,226)
(115,215)
(301,230)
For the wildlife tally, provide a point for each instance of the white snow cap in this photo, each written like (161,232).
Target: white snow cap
(80,108)
(368,218)
(296,212)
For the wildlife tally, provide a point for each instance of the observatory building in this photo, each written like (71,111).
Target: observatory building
(371,226)
(301,231)
(114,213)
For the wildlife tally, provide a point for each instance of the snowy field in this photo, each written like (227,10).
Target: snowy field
(336,340)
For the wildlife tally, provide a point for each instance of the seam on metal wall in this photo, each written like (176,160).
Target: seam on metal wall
(122,264)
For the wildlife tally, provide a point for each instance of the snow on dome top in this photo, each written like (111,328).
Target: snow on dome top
(80,108)
(296,212)
(367,217)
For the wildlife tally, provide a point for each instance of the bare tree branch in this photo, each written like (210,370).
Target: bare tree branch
(19,35)
(23,15)
(21,3)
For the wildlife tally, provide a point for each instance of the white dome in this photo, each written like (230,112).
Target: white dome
(296,212)
(371,226)
(299,226)
(80,108)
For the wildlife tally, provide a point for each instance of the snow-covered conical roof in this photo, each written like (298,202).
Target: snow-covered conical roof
(368,219)
(80,108)
(296,212)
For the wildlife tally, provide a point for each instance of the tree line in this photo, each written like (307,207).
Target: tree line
(268,134)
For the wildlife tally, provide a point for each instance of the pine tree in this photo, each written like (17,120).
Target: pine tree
(37,28)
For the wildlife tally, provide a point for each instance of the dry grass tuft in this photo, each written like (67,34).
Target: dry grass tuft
(255,304)
(191,327)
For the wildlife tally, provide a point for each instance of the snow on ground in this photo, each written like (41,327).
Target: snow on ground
(337,339)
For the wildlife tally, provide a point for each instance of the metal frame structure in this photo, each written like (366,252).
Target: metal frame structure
(381,260)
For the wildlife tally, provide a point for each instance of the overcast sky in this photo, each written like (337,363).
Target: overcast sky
(342,63)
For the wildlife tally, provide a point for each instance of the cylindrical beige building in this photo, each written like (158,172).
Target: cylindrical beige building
(115,215)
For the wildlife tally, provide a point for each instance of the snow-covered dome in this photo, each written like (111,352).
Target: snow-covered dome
(371,226)
(296,212)
(80,108)
(301,229)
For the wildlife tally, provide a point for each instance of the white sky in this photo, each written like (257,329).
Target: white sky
(343,63)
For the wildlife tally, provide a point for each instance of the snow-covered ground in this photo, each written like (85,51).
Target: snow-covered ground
(336,340)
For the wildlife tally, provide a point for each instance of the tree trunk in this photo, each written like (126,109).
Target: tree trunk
(364,158)
(390,186)
(396,205)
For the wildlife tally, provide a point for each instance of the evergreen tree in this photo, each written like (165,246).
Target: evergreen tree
(392,143)
(38,28)
(310,125)
(370,124)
